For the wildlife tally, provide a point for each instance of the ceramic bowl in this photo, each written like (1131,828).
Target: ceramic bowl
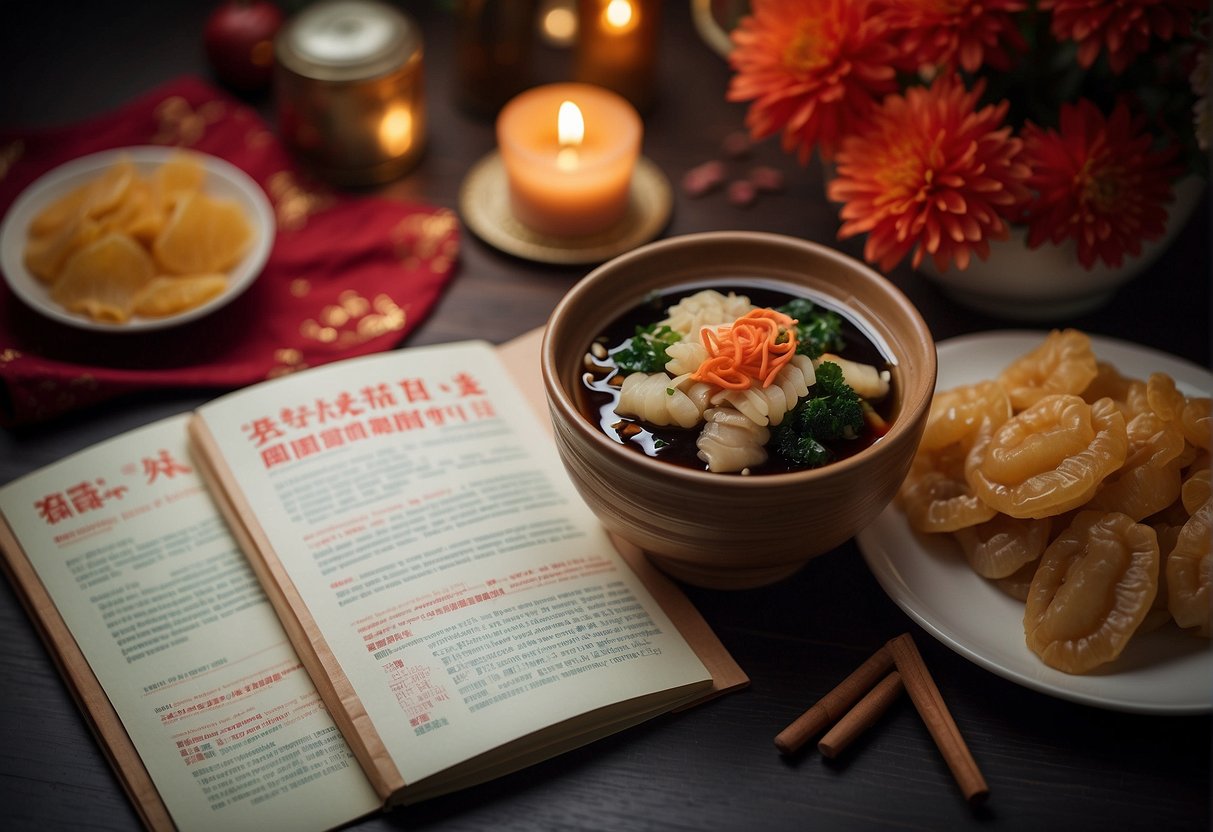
(1051,285)
(729,531)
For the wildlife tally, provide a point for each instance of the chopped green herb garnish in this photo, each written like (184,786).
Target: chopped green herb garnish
(645,351)
(832,411)
(817,330)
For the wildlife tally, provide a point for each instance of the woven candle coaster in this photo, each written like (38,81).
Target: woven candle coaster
(484,204)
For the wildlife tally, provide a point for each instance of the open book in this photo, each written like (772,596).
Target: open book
(354,587)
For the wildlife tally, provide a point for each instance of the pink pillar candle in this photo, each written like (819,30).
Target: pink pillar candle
(562,186)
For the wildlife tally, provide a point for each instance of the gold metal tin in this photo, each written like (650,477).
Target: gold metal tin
(350,91)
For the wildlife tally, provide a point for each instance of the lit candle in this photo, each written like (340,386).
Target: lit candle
(396,130)
(617,46)
(350,92)
(558,22)
(569,152)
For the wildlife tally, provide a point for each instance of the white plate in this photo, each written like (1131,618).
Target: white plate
(223,180)
(1162,672)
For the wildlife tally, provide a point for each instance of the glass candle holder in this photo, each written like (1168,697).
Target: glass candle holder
(617,47)
(349,91)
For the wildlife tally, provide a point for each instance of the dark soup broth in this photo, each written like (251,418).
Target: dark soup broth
(805,436)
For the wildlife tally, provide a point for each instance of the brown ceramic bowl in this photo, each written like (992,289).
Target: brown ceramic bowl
(720,530)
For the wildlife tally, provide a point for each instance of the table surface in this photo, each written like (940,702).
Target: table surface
(1049,762)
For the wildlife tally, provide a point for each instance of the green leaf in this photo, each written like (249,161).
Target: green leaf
(817,330)
(645,352)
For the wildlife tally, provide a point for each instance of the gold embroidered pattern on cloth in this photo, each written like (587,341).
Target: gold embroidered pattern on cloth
(180,124)
(354,320)
(420,237)
(351,321)
(293,203)
(288,360)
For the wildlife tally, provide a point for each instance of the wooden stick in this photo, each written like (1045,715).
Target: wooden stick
(835,703)
(930,705)
(862,716)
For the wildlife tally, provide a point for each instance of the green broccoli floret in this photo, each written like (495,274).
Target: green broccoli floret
(817,330)
(800,450)
(645,351)
(831,412)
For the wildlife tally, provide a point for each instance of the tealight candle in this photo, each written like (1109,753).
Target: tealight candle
(617,46)
(569,152)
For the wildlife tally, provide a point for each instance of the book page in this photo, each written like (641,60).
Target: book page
(174,626)
(420,513)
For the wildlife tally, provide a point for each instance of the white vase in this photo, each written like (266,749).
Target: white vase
(1048,282)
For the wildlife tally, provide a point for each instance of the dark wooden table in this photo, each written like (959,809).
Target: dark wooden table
(1050,763)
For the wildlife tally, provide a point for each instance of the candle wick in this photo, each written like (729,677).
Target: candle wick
(566,158)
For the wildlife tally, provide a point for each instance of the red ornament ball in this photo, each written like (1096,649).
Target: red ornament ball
(239,42)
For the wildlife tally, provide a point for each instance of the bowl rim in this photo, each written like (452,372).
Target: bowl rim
(559,398)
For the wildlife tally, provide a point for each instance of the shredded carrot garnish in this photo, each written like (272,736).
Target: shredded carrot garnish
(752,349)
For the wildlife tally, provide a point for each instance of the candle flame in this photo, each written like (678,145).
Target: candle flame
(560,24)
(570,130)
(396,130)
(570,125)
(619,15)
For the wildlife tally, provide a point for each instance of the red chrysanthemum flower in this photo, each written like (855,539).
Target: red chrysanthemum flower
(811,68)
(1123,27)
(1098,182)
(968,33)
(932,173)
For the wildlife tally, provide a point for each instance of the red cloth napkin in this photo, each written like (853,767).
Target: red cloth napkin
(348,275)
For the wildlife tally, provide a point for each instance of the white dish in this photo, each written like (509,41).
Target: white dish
(1162,672)
(223,180)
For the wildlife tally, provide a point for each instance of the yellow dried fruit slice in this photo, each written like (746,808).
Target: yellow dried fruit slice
(164,295)
(63,211)
(1196,418)
(92,199)
(139,214)
(45,255)
(179,175)
(1149,480)
(1049,458)
(1191,456)
(1063,363)
(1136,401)
(1189,571)
(937,503)
(102,279)
(204,235)
(1001,546)
(1018,583)
(1164,397)
(108,191)
(956,414)
(1196,490)
(1095,584)
(1160,613)
(935,496)
(1108,382)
